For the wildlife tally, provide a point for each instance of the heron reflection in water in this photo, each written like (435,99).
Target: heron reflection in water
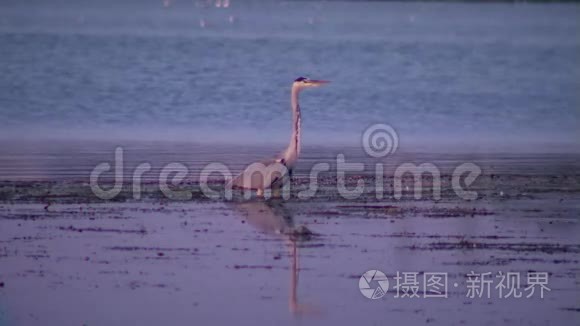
(273,217)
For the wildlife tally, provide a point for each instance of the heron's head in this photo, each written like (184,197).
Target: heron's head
(303,82)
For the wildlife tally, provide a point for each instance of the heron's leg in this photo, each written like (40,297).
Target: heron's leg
(289,179)
(260,192)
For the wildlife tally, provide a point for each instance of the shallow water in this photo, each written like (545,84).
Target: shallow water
(485,75)
(75,160)
(224,263)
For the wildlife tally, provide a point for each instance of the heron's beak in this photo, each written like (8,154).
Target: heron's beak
(318,82)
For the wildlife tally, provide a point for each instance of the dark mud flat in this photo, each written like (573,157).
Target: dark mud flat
(68,258)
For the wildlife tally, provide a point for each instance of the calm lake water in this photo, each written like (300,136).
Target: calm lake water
(156,76)
(490,76)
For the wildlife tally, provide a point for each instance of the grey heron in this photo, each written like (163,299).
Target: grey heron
(271,174)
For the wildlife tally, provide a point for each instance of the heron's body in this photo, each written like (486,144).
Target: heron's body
(273,173)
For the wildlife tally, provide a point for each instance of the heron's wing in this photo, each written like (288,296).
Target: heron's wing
(273,160)
(261,175)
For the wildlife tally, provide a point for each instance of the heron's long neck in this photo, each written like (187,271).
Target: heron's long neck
(293,150)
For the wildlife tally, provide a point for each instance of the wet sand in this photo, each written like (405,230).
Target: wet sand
(67,257)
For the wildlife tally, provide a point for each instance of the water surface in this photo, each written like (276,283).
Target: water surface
(472,75)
